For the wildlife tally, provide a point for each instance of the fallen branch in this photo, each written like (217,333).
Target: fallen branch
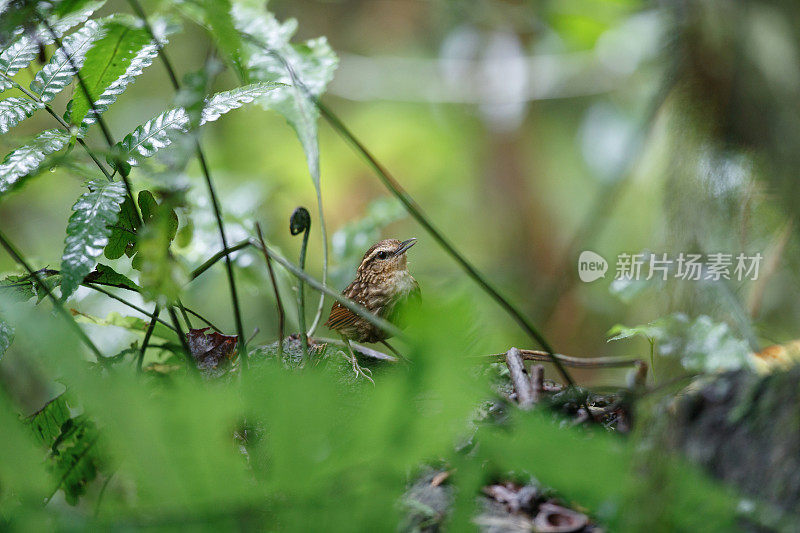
(522,383)
(566,360)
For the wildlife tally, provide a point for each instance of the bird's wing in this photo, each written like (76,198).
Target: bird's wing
(341,317)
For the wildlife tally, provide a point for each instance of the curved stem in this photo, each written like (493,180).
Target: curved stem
(324,232)
(301,299)
(147,336)
(186,351)
(281,314)
(123,301)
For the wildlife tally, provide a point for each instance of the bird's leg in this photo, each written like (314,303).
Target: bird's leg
(356,368)
(398,354)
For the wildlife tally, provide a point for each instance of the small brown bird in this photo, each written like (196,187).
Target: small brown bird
(383,283)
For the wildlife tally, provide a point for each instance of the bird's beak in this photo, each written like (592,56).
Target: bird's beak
(405,245)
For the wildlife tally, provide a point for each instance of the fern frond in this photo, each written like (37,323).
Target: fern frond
(21,52)
(221,103)
(128,45)
(23,161)
(88,230)
(157,133)
(58,73)
(15,110)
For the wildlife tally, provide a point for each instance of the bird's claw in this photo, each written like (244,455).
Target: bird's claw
(360,371)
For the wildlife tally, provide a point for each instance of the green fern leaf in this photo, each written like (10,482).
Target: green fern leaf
(158,133)
(223,102)
(154,134)
(21,52)
(58,73)
(23,161)
(113,63)
(14,110)
(88,231)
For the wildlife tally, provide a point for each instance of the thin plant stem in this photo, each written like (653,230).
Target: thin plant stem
(147,335)
(184,314)
(124,301)
(216,257)
(186,351)
(301,222)
(242,349)
(17,256)
(416,212)
(278,303)
(203,319)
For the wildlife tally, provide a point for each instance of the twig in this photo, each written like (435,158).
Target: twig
(123,301)
(522,383)
(17,256)
(190,362)
(184,314)
(278,303)
(147,334)
(537,382)
(206,321)
(575,362)
(208,263)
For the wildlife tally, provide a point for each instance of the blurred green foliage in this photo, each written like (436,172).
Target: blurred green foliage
(616,126)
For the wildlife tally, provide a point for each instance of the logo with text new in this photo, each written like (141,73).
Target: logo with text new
(591,266)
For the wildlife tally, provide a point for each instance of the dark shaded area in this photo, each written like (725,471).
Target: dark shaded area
(745,429)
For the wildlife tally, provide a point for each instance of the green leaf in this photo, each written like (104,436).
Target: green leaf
(112,64)
(158,133)
(23,161)
(6,336)
(58,73)
(45,424)
(304,69)
(154,134)
(701,344)
(88,231)
(23,288)
(14,110)
(150,208)
(161,274)
(21,51)
(105,275)
(73,459)
(123,233)
(216,14)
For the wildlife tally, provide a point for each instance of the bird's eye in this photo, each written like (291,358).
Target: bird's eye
(382,255)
